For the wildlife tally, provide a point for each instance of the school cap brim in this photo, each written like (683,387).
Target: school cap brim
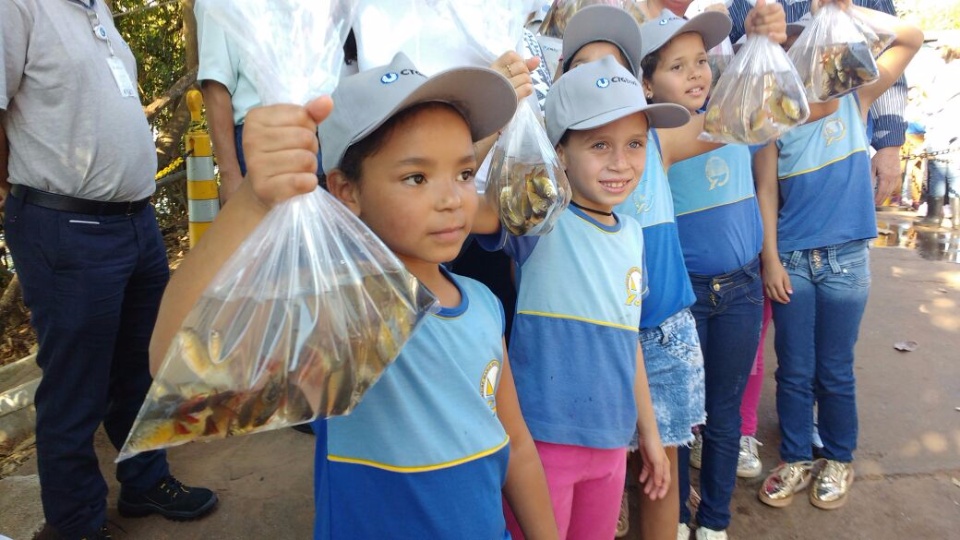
(603,23)
(365,101)
(598,93)
(713,26)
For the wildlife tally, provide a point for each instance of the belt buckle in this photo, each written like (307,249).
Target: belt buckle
(130,208)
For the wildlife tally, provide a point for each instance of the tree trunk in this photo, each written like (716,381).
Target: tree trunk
(191,48)
(10,313)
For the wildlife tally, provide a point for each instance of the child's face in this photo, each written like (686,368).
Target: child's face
(595,51)
(417,192)
(683,74)
(604,164)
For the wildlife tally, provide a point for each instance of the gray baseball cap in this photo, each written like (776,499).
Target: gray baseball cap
(365,101)
(713,26)
(600,92)
(603,23)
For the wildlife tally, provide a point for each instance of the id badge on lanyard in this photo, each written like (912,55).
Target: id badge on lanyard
(117,69)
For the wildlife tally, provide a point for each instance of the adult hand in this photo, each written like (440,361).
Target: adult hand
(767,19)
(4,191)
(517,71)
(776,283)
(885,168)
(280,145)
(655,471)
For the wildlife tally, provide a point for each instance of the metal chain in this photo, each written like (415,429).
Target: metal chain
(923,155)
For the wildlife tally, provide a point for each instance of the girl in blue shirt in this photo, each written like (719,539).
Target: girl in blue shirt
(816,199)
(429,449)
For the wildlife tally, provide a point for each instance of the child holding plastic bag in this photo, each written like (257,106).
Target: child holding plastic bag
(720,232)
(580,294)
(815,195)
(668,333)
(434,441)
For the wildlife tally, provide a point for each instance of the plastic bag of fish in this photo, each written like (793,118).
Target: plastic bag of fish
(290,330)
(878,39)
(833,56)
(758,97)
(526,181)
(311,308)
(550,33)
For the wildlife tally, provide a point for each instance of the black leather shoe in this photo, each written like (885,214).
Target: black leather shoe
(170,499)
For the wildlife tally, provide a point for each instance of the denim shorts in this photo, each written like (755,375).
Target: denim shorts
(674,362)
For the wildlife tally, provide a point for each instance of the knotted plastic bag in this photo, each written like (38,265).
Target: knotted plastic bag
(550,34)
(312,307)
(832,55)
(758,97)
(526,181)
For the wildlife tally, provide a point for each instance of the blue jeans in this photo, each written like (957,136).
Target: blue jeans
(729,312)
(815,337)
(93,285)
(944,177)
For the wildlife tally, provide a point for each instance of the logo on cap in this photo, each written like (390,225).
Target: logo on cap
(602,83)
(389,77)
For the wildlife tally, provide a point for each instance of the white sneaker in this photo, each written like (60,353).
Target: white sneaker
(704,533)
(748,462)
(683,532)
(696,450)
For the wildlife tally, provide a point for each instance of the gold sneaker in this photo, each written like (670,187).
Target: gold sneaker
(788,478)
(832,484)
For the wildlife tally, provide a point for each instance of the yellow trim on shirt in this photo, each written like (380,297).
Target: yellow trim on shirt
(581,319)
(832,161)
(727,203)
(421,468)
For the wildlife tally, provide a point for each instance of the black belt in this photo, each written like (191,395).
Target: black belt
(63,203)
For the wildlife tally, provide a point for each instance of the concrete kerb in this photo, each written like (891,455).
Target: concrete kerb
(21,516)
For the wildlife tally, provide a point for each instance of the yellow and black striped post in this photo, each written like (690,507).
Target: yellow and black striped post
(203,195)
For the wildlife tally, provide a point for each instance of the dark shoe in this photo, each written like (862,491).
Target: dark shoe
(170,499)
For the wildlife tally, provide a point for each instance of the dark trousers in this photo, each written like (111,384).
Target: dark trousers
(93,285)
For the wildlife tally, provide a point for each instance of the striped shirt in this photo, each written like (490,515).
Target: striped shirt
(889,125)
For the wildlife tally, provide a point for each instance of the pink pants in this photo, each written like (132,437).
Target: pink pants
(586,485)
(751,395)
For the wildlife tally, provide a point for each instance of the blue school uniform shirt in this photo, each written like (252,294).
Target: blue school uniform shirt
(826,196)
(652,206)
(573,347)
(718,218)
(423,455)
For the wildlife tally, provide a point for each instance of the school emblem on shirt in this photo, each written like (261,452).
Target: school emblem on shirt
(717,172)
(489,382)
(634,287)
(641,203)
(834,130)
